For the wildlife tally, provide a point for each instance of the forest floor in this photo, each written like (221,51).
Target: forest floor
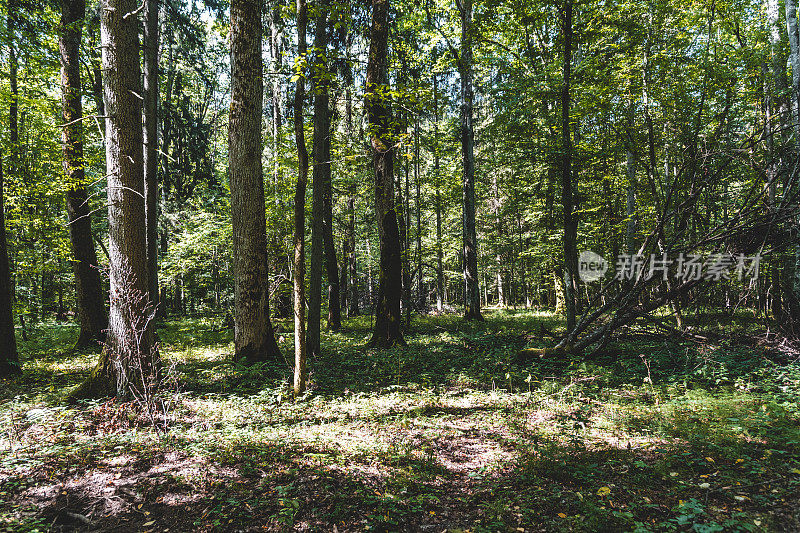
(447,434)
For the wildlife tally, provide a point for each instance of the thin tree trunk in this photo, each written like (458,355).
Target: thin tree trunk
(89,295)
(793,264)
(254,339)
(472,297)
(151,94)
(570,222)
(405,219)
(13,106)
(351,248)
(331,266)
(276,45)
(386,330)
(320,175)
(299,263)
(439,251)
(351,266)
(422,304)
(631,224)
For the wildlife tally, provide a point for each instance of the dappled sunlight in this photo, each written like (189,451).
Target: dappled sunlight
(503,444)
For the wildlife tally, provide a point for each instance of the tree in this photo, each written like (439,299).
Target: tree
(299,259)
(386,331)
(151,94)
(129,361)
(438,200)
(88,288)
(9,359)
(472,296)
(570,222)
(321,179)
(254,339)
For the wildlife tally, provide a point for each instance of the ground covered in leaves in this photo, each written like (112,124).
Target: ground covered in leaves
(448,434)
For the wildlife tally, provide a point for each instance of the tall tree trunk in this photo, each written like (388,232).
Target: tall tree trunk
(405,219)
(299,260)
(776,111)
(439,251)
(13,106)
(631,223)
(422,304)
(254,339)
(472,296)
(793,271)
(570,222)
(794,60)
(331,267)
(387,331)
(9,359)
(151,95)
(276,46)
(321,176)
(88,288)
(352,265)
(130,355)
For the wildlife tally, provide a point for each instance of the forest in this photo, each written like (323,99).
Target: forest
(399,265)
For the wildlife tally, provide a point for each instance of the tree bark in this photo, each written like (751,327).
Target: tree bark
(321,183)
(352,266)
(9,359)
(472,297)
(387,331)
(130,356)
(631,223)
(570,222)
(439,251)
(151,95)
(88,288)
(793,264)
(299,260)
(422,304)
(253,339)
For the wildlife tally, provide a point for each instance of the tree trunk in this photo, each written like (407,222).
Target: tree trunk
(13,106)
(793,271)
(9,359)
(89,295)
(472,297)
(352,265)
(130,357)
(387,330)
(276,46)
(254,339)
(631,224)
(439,251)
(321,177)
(422,304)
(405,219)
(151,95)
(299,260)
(331,267)
(570,222)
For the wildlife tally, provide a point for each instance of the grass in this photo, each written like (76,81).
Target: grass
(447,434)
